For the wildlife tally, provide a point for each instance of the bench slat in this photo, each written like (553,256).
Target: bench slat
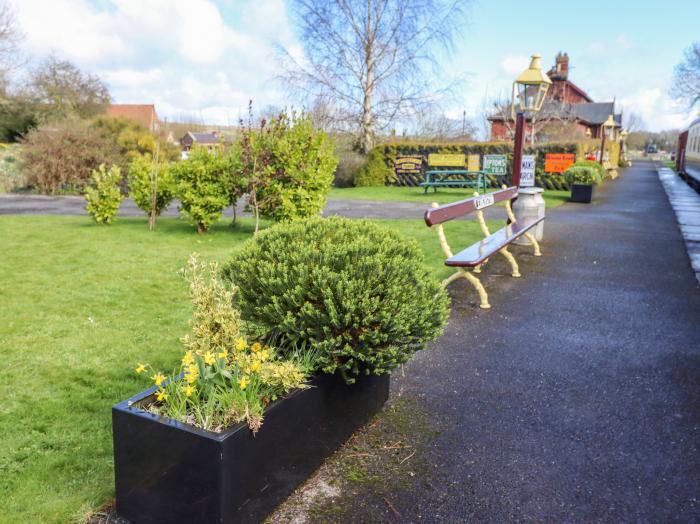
(454,210)
(477,253)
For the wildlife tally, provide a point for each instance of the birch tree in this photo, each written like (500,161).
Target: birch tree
(686,76)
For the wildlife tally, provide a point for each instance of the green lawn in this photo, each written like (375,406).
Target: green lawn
(82,304)
(415,194)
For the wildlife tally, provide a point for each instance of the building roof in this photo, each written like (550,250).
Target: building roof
(595,112)
(205,138)
(144,114)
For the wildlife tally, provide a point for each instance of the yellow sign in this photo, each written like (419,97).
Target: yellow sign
(438,160)
(473,163)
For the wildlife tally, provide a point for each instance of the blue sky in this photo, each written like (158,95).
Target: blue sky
(203,59)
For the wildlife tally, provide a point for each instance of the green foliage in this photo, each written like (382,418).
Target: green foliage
(295,164)
(202,184)
(582,175)
(60,158)
(595,166)
(376,171)
(356,293)
(18,114)
(104,198)
(151,185)
(11,177)
(133,139)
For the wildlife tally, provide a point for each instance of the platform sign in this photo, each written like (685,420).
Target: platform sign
(408,164)
(527,171)
(496,165)
(473,162)
(558,162)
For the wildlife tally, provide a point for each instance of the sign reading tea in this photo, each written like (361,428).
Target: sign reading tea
(527,171)
(558,162)
(408,165)
(473,162)
(495,164)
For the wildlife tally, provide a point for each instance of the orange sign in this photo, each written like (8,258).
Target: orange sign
(558,162)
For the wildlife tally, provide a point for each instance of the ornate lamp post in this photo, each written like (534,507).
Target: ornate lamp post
(530,90)
(606,132)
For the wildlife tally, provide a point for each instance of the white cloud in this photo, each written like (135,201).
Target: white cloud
(513,65)
(656,108)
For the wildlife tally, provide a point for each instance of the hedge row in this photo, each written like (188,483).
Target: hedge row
(379,169)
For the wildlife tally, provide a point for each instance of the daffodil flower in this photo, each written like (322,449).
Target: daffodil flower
(161,395)
(243,383)
(209,358)
(158,378)
(222,354)
(255,367)
(140,368)
(256,347)
(188,390)
(241,344)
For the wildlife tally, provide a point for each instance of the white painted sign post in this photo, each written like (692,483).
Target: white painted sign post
(527,171)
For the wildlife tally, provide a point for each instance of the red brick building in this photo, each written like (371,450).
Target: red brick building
(566,103)
(144,114)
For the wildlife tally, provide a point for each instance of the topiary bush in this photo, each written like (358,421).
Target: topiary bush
(202,185)
(104,197)
(355,294)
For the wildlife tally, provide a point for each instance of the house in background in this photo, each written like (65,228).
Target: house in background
(208,140)
(143,114)
(565,103)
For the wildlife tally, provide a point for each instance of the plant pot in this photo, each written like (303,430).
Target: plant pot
(169,472)
(581,193)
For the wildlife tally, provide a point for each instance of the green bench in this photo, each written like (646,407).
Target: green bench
(451,172)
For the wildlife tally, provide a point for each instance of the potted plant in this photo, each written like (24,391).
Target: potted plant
(581,179)
(279,370)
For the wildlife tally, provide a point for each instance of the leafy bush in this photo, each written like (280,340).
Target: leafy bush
(354,293)
(298,164)
(202,185)
(375,172)
(349,164)
(225,380)
(582,175)
(11,177)
(104,198)
(60,158)
(591,164)
(150,186)
(133,140)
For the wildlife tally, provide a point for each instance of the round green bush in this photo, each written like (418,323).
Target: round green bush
(355,295)
(582,175)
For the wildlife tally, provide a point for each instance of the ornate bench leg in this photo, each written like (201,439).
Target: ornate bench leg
(535,244)
(513,263)
(483,297)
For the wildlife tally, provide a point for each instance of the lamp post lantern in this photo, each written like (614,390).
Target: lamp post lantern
(606,129)
(530,90)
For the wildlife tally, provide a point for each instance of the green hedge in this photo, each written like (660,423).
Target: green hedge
(381,159)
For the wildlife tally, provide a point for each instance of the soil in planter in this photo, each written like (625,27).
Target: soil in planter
(373,476)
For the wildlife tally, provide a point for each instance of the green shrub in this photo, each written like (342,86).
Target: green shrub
(582,175)
(104,197)
(354,293)
(202,185)
(591,164)
(376,171)
(299,171)
(150,186)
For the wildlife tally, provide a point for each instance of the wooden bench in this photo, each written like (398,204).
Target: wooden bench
(478,254)
(451,173)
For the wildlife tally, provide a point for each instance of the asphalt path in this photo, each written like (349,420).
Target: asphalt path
(577,397)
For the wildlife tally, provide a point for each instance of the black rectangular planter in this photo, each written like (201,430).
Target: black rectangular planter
(169,472)
(582,193)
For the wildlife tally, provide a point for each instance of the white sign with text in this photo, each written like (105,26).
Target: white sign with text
(527,171)
(483,201)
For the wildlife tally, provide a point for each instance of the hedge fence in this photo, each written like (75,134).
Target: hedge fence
(379,169)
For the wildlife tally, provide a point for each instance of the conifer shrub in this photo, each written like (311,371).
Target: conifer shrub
(355,294)
(376,171)
(104,197)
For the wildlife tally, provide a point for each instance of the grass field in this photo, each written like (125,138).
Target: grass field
(82,304)
(415,194)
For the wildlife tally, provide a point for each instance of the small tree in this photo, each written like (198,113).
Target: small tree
(104,197)
(202,185)
(151,185)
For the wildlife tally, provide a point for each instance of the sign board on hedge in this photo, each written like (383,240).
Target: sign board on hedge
(473,162)
(446,160)
(496,165)
(527,171)
(558,162)
(408,165)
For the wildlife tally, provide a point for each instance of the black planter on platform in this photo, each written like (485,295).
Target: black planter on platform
(168,472)
(582,193)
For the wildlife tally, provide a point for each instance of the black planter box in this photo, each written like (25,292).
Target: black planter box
(581,193)
(168,472)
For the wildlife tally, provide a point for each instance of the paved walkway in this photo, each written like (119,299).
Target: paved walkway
(577,397)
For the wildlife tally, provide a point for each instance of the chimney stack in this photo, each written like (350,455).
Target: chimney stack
(562,65)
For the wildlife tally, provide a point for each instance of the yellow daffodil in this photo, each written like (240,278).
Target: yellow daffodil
(209,358)
(140,368)
(255,367)
(243,383)
(188,390)
(158,378)
(161,395)
(264,355)
(256,347)
(191,373)
(241,344)
(222,354)
(188,359)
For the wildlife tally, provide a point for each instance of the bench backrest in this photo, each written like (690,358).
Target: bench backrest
(447,160)
(448,212)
